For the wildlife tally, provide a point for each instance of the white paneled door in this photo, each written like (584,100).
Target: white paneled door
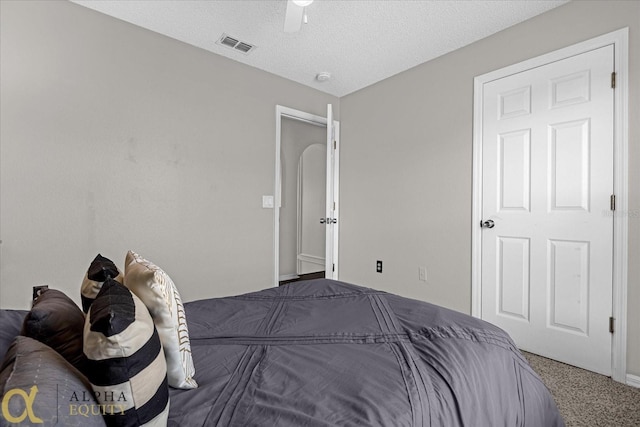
(331,236)
(547,183)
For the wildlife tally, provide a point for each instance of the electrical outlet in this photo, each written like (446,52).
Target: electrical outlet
(38,290)
(378,266)
(422,274)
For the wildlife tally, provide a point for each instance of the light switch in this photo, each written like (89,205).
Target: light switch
(267,202)
(422,274)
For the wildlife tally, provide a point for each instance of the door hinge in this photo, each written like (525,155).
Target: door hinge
(613,202)
(335,145)
(613,80)
(611,324)
(334,206)
(333,268)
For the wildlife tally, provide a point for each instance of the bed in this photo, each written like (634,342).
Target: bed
(329,353)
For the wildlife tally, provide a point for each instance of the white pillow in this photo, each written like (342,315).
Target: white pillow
(158,292)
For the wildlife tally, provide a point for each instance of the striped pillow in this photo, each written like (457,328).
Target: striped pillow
(99,270)
(126,366)
(158,292)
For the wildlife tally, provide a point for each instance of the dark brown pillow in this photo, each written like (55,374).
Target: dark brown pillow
(55,320)
(42,381)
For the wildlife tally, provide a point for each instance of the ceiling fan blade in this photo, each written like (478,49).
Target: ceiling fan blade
(293,17)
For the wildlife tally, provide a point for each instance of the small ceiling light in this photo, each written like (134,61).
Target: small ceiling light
(302,3)
(323,77)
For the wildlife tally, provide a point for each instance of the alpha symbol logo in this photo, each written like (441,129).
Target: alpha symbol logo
(28,402)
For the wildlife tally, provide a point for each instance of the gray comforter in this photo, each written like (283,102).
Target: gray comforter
(327,353)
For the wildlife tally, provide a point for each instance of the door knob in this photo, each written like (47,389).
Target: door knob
(487,224)
(328,220)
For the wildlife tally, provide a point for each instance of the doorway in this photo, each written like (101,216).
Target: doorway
(549,251)
(306,196)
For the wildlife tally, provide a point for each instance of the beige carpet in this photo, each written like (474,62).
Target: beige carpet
(586,399)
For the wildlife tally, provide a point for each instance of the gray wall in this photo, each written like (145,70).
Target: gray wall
(115,138)
(407,161)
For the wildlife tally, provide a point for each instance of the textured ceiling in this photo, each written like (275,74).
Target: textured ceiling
(359,42)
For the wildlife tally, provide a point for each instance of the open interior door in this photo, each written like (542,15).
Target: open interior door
(292,146)
(331,210)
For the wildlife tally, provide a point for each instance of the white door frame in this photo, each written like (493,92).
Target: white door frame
(290,113)
(620,40)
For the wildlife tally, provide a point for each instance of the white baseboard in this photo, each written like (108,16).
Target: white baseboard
(633,380)
(288,277)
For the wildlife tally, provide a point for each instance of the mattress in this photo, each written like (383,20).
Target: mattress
(328,353)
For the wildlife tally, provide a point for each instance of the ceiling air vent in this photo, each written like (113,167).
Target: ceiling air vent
(234,43)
